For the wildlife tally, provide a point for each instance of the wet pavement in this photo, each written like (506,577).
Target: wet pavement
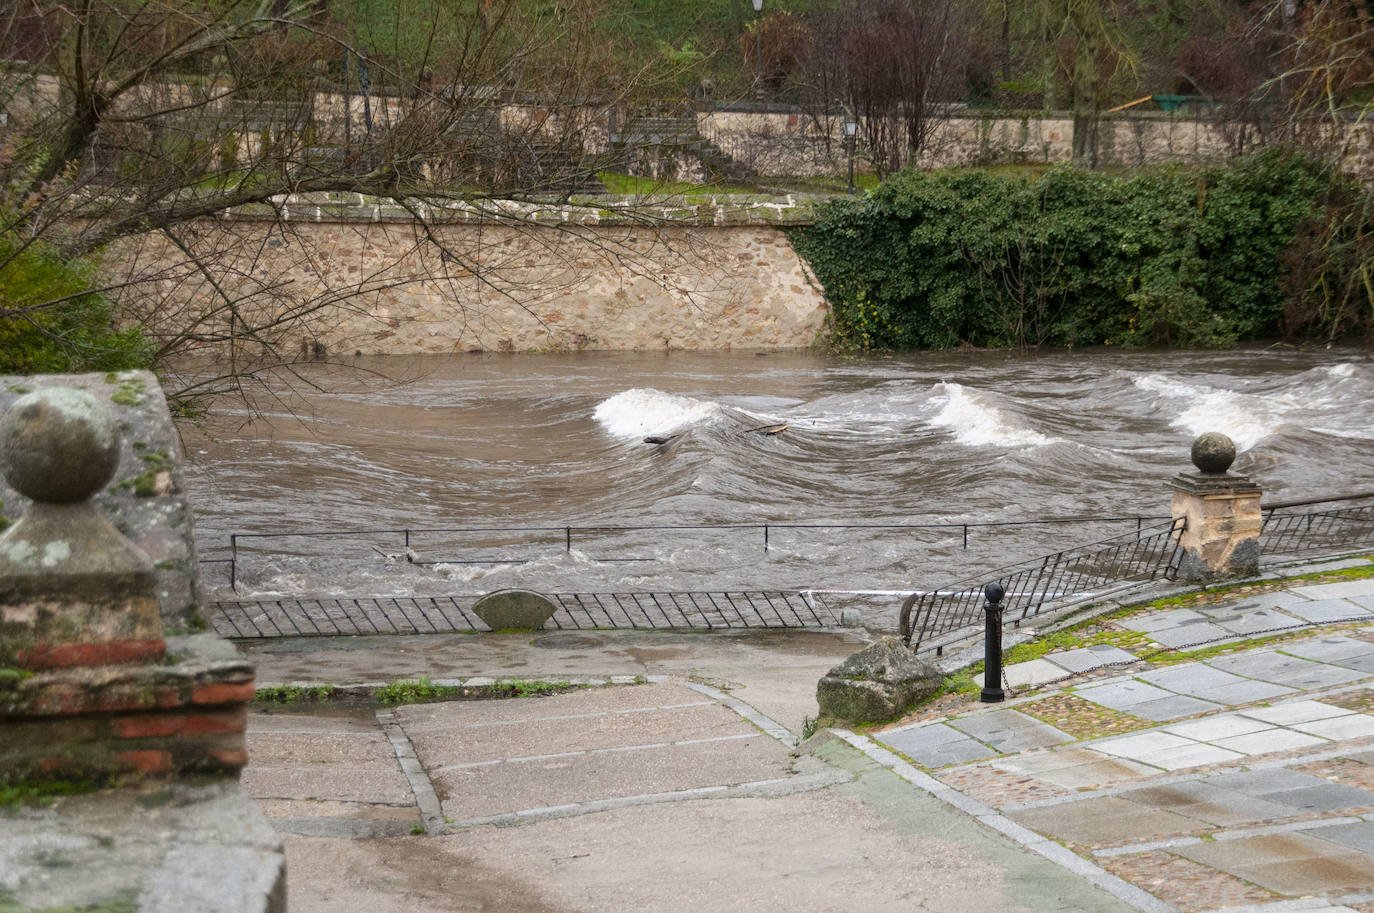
(1118,775)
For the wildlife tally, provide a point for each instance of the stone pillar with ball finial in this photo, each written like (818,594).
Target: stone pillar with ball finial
(91,686)
(1221,514)
(73,590)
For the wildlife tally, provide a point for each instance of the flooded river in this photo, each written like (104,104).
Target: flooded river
(557,443)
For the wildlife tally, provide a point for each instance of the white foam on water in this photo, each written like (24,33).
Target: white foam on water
(977,423)
(635,413)
(1248,418)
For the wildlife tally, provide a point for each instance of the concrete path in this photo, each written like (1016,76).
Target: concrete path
(1241,780)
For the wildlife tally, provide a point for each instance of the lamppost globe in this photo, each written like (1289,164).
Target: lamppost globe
(850,129)
(758,48)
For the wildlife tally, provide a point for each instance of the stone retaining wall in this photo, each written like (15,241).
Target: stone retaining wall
(710,275)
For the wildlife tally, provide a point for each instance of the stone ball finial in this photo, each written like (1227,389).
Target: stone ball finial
(1213,452)
(58,445)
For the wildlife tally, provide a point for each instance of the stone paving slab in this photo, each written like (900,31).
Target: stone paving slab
(1173,707)
(1088,658)
(1207,802)
(323,748)
(1028,674)
(1160,621)
(1121,694)
(341,782)
(1192,635)
(937,745)
(1074,768)
(1267,741)
(1358,836)
(1272,666)
(1164,750)
(584,701)
(1322,611)
(1102,821)
(1008,731)
(475,792)
(1291,712)
(1219,726)
(1257,621)
(330,758)
(1331,649)
(1291,864)
(453,735)
(1354,726)
(1341,590)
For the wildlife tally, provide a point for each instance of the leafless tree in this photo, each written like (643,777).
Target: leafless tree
(139,124)
(893,66)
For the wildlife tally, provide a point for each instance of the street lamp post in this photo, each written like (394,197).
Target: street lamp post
(758,48)
(850,129)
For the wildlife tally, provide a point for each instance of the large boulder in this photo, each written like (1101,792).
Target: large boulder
(876,684)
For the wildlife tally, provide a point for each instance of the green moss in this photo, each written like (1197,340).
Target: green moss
(144,485)
(195,620)
(41,792)
(130,392)
(17,390)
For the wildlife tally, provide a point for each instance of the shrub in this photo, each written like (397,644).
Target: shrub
(50,321)
(1183,255)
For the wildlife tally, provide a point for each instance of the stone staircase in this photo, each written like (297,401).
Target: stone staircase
(680,134)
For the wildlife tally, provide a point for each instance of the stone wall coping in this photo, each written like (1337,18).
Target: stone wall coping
(701,209)
(189,848)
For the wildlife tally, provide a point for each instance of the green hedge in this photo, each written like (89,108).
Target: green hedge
(1184,256)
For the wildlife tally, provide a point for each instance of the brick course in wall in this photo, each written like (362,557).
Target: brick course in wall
(183,716)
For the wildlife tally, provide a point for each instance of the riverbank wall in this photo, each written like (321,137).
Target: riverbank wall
(343,274)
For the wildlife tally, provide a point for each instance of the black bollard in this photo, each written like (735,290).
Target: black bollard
(992,645)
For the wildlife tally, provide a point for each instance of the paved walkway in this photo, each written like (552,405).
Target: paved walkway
(1241,779)
(1119,776)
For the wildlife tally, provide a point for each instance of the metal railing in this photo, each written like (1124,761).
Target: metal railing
(261,618)
(1332,529)
(404,541)
(1078,573)
(1151,554)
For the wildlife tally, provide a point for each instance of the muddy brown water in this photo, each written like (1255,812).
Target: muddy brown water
(557,441)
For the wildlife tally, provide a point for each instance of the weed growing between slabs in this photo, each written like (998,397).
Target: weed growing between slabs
(424,691)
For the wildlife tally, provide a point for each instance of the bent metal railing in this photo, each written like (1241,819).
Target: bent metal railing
(1332,529)
(1150,554)
(1078,573)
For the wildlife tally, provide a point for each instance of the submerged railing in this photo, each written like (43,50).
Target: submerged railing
(927,618)
(1079,573)
(445,545)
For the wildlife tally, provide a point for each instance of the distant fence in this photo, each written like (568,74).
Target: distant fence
(458,545)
